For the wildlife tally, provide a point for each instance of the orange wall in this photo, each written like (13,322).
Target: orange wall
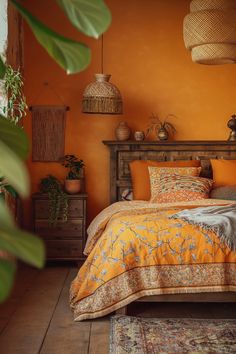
(144,52)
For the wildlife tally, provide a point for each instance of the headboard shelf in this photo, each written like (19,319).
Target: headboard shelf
(170,142)
(123,152)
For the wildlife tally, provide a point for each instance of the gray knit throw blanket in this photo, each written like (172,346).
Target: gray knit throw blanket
(219,219)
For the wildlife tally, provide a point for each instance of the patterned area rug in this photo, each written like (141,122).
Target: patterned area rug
(152,336)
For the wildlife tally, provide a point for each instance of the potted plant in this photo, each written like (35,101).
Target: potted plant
(161,128)
(73,178)
(58,200)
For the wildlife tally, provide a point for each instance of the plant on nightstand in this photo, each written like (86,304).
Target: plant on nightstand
(73,178)
(58,200)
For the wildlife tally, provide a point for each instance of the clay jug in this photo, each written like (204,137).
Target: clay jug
(123,131)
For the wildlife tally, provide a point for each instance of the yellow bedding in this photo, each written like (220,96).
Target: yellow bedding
(135,250)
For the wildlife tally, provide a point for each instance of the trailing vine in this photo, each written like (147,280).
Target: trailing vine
(58,199)
(15,108)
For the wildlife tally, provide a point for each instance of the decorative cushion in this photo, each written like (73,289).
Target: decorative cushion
(227,192)
(156,172)
(224,172)
(140,175)
(177,188)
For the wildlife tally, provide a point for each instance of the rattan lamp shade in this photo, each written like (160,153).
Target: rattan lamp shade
(210,31)
(102,97)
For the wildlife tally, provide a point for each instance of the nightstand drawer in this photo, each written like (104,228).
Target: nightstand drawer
(65,240)
(62,230)
(64,249)
(75,208)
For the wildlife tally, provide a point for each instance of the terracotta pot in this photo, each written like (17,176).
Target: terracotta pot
(72,186)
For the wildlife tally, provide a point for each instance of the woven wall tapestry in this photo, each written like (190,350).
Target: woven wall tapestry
(48,132)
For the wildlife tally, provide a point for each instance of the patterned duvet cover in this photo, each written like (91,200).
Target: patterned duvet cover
(135,250)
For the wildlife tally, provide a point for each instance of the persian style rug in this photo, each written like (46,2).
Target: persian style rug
(152,336)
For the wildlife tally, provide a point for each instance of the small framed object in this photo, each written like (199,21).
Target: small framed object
(48,132)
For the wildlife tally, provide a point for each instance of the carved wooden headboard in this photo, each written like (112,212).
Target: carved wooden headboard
(122,153)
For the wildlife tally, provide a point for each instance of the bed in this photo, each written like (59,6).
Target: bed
(127,261)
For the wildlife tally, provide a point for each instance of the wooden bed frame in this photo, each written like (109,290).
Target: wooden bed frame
(122,153)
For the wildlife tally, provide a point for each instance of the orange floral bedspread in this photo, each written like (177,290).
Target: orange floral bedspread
(135,250)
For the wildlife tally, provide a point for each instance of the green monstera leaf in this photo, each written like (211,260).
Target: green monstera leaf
(14,147)
(72,56)
(19,244)
(92,17)
(13,241)
(2,69)
(7,272)
(14,137)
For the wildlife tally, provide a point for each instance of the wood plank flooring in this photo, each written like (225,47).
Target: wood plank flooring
(37,319)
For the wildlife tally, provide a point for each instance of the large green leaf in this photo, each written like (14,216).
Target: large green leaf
(14,137)
(23,245)
(2,68)
(92,17)
(7,272)
(72,56)
(11,190)
(13,169)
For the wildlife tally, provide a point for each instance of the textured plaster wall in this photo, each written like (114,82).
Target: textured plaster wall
(145,53)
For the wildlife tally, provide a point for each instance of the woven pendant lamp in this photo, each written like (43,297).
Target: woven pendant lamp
(101,96)
(210,31)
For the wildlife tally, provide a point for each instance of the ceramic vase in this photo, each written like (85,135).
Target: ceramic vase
(163,134)
(122,132)
(139,135)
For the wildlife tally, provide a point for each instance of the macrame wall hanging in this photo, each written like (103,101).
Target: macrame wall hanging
(48,132)
(48,128)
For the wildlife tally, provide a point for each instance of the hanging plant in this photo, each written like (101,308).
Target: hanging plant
(58,200)
(15,108)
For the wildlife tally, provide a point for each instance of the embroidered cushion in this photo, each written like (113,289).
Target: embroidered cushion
(140,175)
(224,172)
(177,188)
(156,172)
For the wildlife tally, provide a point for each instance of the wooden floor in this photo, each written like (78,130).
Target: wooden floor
(37,317)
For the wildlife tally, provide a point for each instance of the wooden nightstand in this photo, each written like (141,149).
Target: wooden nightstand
(65,240)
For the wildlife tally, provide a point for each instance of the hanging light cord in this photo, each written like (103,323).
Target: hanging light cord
(102,53)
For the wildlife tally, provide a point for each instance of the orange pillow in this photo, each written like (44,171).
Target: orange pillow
(224,172)
(140,175)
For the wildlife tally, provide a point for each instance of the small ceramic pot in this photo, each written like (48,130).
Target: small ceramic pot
(139,136)
(72,186)
(163,134)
